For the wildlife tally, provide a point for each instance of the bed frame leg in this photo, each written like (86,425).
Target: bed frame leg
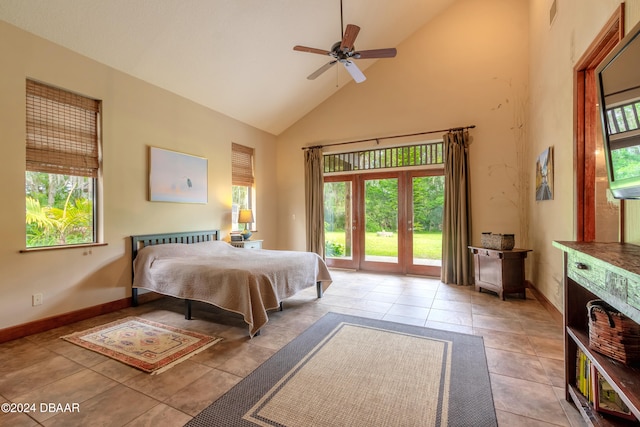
(187,309)
(134,297)
(281,306)
(319,288)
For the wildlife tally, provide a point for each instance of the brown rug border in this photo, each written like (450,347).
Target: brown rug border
(470,396)
(157,367)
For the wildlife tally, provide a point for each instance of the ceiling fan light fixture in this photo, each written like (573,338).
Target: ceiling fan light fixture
(343,51)
(354,71)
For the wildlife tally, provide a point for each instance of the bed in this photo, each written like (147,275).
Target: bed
(198,266)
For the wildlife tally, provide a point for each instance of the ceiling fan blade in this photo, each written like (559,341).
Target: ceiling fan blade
(355,72)
(349,37)
(376,53)
(321,70)
(311,50)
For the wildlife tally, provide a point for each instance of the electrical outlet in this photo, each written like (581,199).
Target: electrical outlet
(36,299)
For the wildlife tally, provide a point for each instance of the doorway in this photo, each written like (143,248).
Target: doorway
(598,216)
(386,221)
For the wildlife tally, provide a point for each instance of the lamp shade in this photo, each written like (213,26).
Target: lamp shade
(245,216)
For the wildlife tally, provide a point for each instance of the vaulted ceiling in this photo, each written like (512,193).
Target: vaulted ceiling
(235,57)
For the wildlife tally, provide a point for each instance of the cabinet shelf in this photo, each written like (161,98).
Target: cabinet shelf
(500,271)
(624,380)
(588,413)
(596,271)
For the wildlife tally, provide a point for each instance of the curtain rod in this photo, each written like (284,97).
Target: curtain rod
(391,137)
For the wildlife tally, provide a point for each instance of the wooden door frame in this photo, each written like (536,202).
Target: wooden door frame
(383,267)
(586,121)
(410,268)
(405,237)
(354,262)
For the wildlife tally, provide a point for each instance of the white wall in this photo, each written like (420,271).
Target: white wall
(135,115)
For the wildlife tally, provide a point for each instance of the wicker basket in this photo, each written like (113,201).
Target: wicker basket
(501,242)
(612,333)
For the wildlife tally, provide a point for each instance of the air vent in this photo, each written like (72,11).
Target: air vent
(553,11)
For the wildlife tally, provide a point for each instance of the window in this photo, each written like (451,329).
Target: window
(424,154)
(242,182)
(62,165)
(623,118)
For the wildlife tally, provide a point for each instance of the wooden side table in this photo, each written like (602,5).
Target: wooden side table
(248,244)
(500,271)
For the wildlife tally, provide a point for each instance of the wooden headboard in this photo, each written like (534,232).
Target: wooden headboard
(140,241)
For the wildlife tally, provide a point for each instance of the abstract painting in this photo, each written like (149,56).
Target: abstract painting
(177,177)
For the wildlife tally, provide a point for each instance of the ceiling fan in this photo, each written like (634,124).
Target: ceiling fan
(344,52)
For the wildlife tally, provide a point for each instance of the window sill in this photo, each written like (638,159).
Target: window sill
(55,248)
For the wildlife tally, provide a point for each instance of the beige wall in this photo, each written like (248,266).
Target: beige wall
(467,66)
(554,51)
(135,115)
(497,64)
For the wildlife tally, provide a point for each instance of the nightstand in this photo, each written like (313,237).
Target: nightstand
(500,271)
(248,244)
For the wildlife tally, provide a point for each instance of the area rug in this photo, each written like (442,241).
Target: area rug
(351,371)
(146,345)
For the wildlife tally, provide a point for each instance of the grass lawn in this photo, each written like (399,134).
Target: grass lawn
(425,245)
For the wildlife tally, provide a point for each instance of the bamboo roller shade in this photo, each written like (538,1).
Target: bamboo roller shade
(62,131)
(241,165)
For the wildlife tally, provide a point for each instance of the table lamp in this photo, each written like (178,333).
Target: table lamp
(246,217)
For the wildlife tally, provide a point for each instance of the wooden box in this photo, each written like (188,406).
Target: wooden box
(502,242)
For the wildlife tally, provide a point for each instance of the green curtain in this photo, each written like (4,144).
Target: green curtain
(314,200)
(456,226)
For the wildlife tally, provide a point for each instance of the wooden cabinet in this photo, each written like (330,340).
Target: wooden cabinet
(611,272)
(500,271)
(247,244)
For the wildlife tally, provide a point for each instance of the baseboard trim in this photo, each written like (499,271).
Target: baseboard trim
(555,313)
(42,325)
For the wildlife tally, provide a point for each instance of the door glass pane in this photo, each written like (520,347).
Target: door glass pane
(338,220)
(428,206)
(381,220)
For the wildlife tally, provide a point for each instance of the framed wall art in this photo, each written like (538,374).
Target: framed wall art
(544,175)
(177,177)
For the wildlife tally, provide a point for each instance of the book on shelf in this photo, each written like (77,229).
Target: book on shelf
(595,388)
(584,375)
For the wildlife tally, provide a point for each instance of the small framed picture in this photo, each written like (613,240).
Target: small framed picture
(607,401)
(544,175)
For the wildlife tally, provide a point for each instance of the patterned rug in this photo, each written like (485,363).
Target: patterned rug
(146,345)
(351,371)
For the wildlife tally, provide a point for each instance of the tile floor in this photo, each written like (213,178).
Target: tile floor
(523,346)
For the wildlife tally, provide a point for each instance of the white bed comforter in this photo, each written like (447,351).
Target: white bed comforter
(244,281)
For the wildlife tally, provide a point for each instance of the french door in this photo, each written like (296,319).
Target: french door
(387,222)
